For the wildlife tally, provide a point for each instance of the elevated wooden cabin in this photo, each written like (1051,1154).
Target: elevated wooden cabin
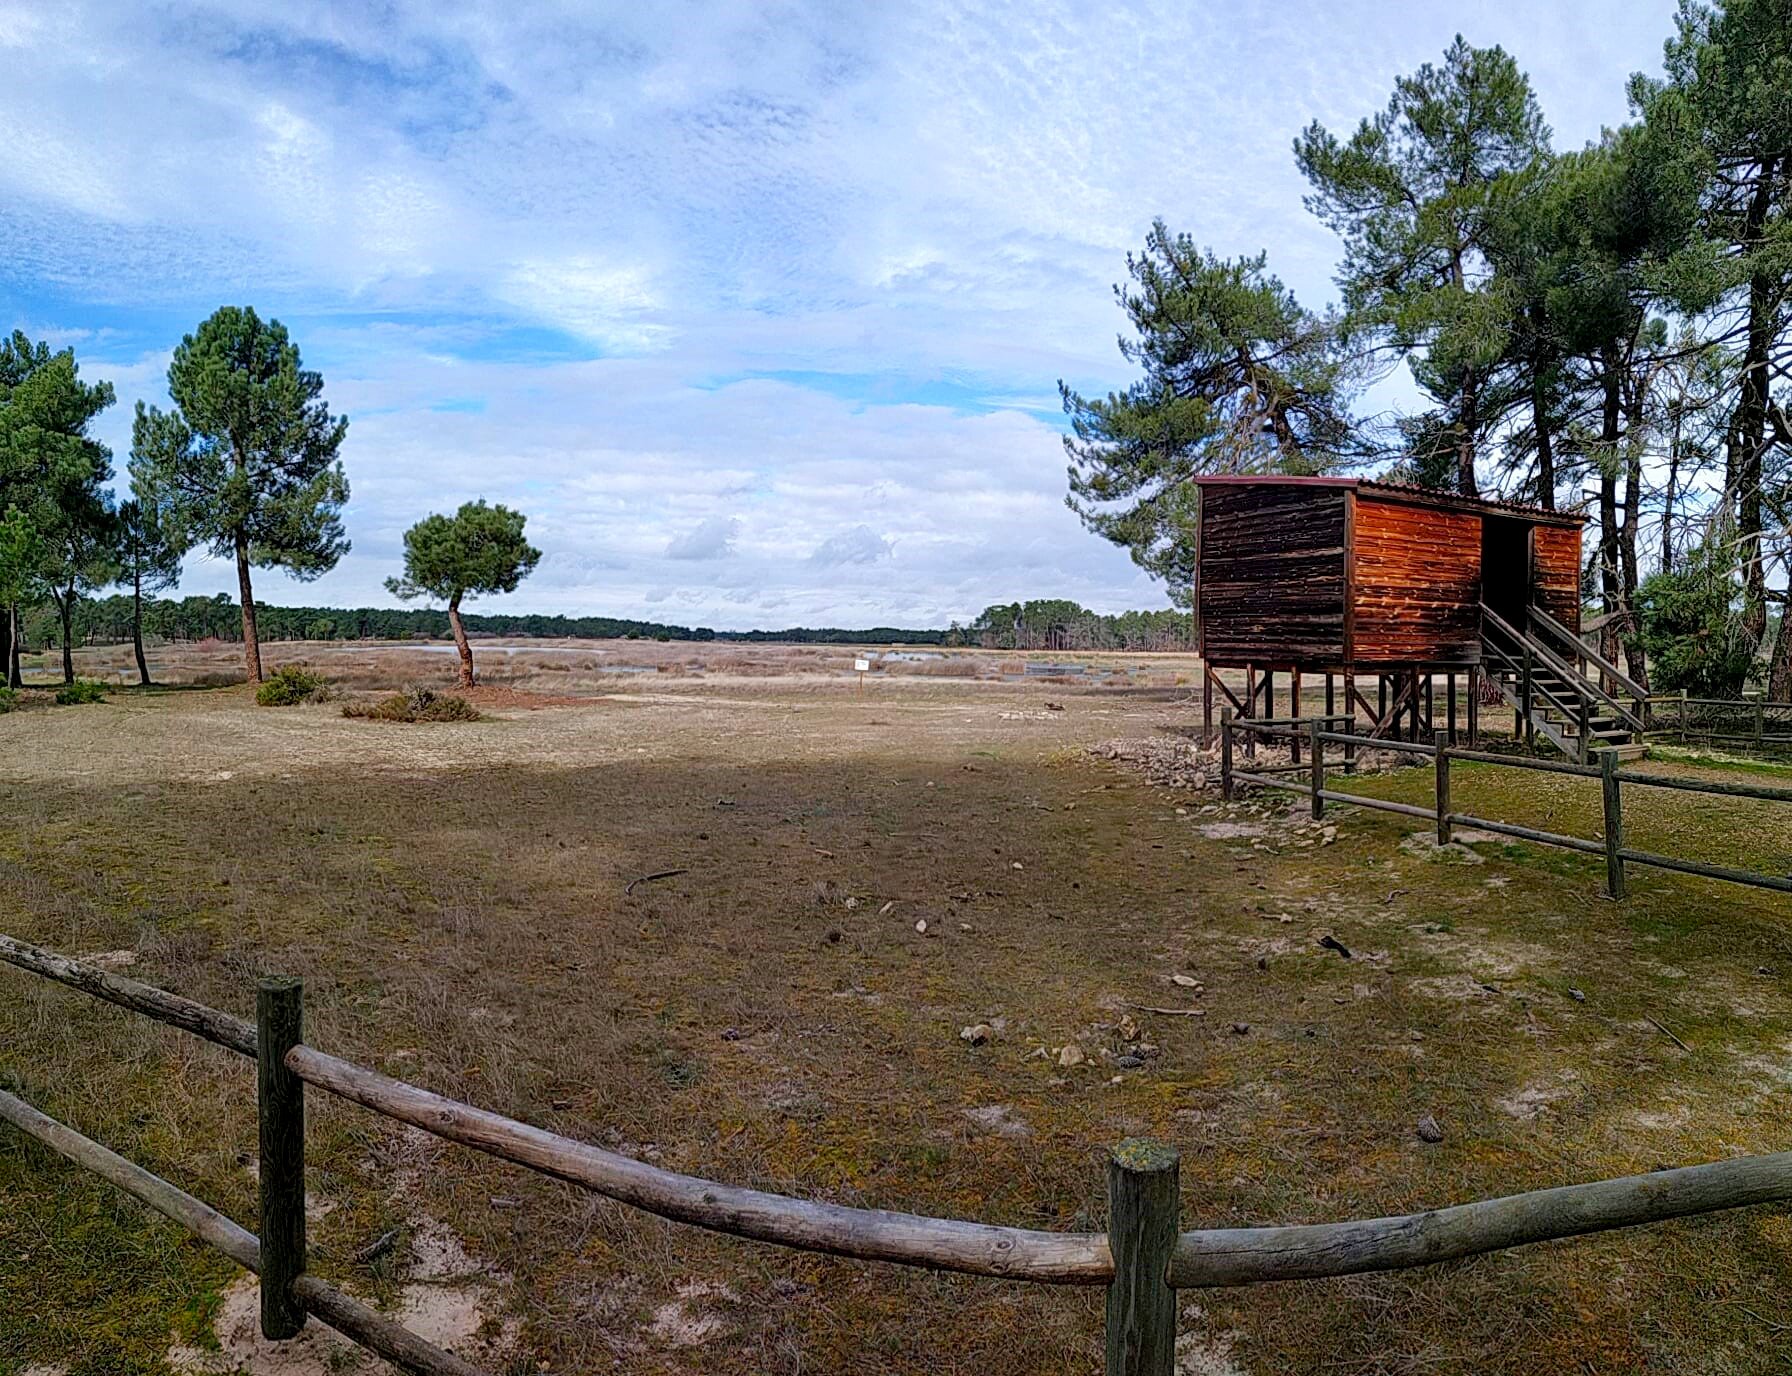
(1353,576)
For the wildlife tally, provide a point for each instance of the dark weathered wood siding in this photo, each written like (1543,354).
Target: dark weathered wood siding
(1556,552)
(1418,583)
(1270,578)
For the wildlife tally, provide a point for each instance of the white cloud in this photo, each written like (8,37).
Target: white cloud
(860,545)
(709,539)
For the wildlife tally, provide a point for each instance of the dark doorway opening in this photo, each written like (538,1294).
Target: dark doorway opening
(1506,567)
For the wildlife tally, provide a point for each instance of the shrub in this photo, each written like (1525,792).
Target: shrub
(417,704)
(291,685)
(80,691)
(8,699)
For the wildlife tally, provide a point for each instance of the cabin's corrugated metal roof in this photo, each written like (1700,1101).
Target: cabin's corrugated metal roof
(1406,491)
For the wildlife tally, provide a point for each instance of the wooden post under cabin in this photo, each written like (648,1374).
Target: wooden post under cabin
(1143,1214)
(1294,711)
(1450,696)
(280,1098)
(1226,755)
(1250,709)
(1331,700)
(1207,705)
(1474,707)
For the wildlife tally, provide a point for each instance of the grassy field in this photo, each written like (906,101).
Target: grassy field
(454,896)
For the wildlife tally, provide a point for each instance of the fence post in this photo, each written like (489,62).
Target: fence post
(1683,716)
(280,1099)
(1760,720)
(1143,1207)
(1441,740)
(1586,743)
(1226,754)
(1614,823)
(1318,758)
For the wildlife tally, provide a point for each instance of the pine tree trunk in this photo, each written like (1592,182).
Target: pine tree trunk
(460,642)
(1610,589)
(1467,423)
(65,606)
(1546,454)
(14,677)
(137,628)
(1779,673)
(251,644)
(1748,435)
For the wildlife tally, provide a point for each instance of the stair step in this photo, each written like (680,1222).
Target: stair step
(1634,750)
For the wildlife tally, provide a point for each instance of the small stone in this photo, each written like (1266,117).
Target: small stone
(886,909)
(1240,1029)
(921,926)
(851,903)
(1017,865)
(1418,1036)
(732,1034)
(999,1120)
(1185,981)
(1129,1062)
(1127,1029)
(977,1033)
(1577,996)
(1070,1054)
(1429,1131)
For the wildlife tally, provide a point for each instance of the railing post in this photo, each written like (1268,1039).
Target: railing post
(280,1098)
(1524,694)
(1318,757)
(1614,823)
(1441,740)
(1143,1207)
(1586,743)
(1760,721)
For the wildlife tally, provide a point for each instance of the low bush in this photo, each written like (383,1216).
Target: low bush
(417,704)
(80,691)
(289,686)
(8,699)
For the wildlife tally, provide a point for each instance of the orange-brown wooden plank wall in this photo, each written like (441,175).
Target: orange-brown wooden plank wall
(1270,580)
(1556,552)
(1418,584)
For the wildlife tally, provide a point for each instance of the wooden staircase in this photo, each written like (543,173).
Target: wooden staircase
(1560,687)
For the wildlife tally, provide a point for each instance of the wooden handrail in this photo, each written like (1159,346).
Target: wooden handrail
(1562,633)
(1562,668)
(869,1234)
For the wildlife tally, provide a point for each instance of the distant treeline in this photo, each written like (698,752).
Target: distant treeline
(1045,624)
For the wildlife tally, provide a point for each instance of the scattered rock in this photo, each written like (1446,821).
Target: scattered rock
(1186,981)
(998,1120)
(977,1033)
(1577,996)
(1429,1131)
(887,908)
(1070,1054)
(1240,1029)
(1126,1029)
(1129,1062)
(1331,943)
(921,926)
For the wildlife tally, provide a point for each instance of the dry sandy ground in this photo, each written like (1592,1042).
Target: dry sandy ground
(776,1015)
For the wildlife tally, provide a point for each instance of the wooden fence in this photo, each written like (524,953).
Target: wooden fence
(1748,722)
(1142,1258)
(1316,732)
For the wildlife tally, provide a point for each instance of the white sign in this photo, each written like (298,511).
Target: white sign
(862,665)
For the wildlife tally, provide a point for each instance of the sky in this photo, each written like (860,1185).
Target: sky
(757,310)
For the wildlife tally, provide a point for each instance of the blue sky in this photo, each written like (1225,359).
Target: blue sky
(758,310)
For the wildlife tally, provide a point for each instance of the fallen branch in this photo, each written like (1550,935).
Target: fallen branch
(1677,1042)
(649,878)
(1171,1012)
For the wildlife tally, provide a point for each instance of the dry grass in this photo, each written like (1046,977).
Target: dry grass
(455,901)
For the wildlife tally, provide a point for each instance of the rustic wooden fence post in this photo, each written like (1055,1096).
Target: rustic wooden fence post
(1226,754)
(1441,741)
(280,1098)
(1614,823)
(1350,745)
(1143,1208)
(1318,758)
